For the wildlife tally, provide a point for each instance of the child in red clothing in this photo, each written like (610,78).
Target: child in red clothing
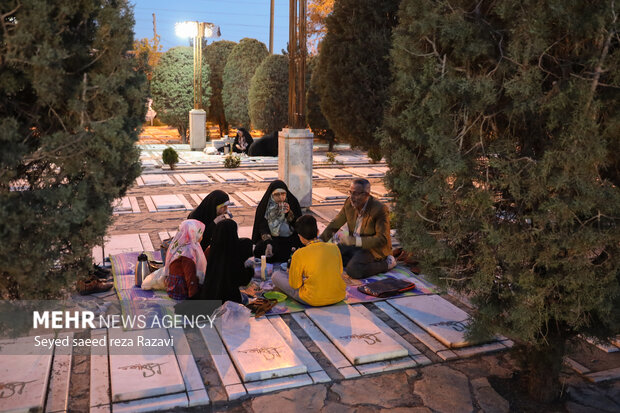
(185,261)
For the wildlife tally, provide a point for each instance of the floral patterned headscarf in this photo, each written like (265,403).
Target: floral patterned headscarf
(186,243)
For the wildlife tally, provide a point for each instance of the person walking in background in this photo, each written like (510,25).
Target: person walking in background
(367,249)
(315,274)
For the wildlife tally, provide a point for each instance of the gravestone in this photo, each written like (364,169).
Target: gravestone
(266,175)
(334,173)
(167,202)
(156,179)
(231,176)
(443,320)
(195,178)
(255,196)
(147,373)
(365,172)
(329,194)
(358,338)
(122,205)
(258,351)
(24,375)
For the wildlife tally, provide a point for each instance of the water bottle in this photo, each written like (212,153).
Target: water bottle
(142,269)
(263,267)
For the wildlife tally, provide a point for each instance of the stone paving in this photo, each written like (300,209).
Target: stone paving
(479,383)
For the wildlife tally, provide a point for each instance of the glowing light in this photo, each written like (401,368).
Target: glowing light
(186,29)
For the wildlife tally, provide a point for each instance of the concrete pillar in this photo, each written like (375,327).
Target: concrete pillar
(295,162)
(197,129)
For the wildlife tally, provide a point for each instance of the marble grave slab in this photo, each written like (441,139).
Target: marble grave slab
(328,195)
(442,319)
(358,338)
(158,203)
(379,190)
(365,172)
(146,374)
(264,175)
(334,173)
(126,205)
(258,351)
(193,178)
(155,179)
(230,177)
(24,375)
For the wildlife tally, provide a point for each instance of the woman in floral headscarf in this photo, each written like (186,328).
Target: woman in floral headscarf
(185,261)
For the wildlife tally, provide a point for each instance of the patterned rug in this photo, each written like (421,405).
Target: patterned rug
(134,300)
(354,296)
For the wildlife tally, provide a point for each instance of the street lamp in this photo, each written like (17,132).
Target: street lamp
(197,116)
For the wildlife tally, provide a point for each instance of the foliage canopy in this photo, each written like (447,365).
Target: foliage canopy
(71,107)
(354,71)
(502,138)
(216,55)
(269,94)
(242,62)
(172,88)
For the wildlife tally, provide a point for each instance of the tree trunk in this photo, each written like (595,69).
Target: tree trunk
(330,142)
(544,365)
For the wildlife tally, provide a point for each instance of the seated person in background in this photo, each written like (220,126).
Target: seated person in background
(367,249)
(315,275)
(185,261)
(211,210)
(273,232)
(230,264)
(265,146)
(242,142)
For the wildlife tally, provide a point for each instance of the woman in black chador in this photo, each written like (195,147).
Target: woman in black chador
(230,264)
(242,141)
(212,209)
(273,232)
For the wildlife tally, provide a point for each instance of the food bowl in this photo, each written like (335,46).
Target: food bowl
(275,295)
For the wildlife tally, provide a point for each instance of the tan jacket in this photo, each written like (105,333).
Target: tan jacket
(375,231)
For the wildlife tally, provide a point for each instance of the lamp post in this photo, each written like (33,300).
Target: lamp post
(197,116)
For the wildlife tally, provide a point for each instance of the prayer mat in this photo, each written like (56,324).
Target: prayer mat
(134,300)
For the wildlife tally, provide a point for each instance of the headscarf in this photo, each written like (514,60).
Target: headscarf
(275,217)
(261,210)
(185,244)
(206,213)
(225,268)
(247,137)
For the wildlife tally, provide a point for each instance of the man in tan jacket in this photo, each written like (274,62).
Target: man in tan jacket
(367,249)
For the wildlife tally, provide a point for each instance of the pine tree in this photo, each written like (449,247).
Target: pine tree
(242,62)
(71,106)
(502,138)
(269,94)
(353,69)
(216,55)
(172,88)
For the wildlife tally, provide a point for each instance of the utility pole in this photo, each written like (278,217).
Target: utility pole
(271,30)
(155,37)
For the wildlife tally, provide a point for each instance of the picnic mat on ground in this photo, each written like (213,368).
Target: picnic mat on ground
(134,300)
(354,296)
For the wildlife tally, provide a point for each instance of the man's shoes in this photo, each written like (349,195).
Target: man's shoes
(101,272)
(391,262)
(92,285)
